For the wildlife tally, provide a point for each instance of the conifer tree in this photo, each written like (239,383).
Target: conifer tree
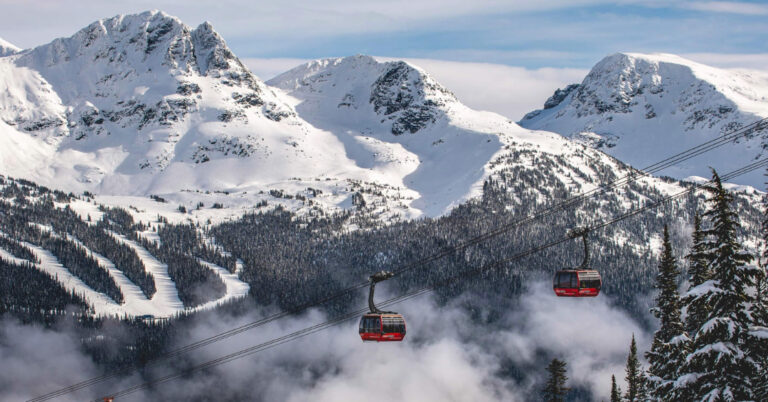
(636,381)
(759,311)
(759,307)
(670,342)
(555,389)
(759,343)
(696,306)
(615,390)
(719,367)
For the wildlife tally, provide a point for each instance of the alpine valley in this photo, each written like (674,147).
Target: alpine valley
(146,174)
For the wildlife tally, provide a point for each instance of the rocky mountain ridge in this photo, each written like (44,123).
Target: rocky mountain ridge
(140,105)
(641,107)
(7,48)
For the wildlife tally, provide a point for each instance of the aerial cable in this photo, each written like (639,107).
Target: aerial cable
(418,292)
(561,206)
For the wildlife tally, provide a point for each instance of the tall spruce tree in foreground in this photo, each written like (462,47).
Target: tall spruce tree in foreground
(636,382)
(758,345)
(719,368)
(695,302)
(615,390)
(759,310)
(696,305)
(555,389)
(760,305)
(670,342)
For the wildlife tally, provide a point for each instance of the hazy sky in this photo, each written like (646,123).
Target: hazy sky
(498,55)
(531,34)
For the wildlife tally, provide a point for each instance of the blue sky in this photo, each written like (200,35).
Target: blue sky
(529,34)
(506,56)
(564,37)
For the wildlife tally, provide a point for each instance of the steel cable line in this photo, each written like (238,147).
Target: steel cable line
(418,292)
(569,202)
(197,344)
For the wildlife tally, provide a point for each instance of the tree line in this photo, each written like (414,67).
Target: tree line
(290,260)
(712,340)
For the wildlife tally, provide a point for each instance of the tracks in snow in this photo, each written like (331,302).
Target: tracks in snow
(164,303)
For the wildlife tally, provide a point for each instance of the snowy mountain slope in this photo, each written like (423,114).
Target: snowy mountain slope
(7,48)
(139,105)
(142,104)
(640,108)
(164,301)
(394,116)
(390,137)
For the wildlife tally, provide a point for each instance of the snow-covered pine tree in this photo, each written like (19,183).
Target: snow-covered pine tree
(670,342)
(615,390)
(555,389)
(719,367)
(696,306)
(760,305)
(636,381)
(759,311)
(758,345)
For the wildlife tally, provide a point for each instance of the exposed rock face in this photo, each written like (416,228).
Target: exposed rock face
(401,96)
(559,96)
(641,107)
(143,104)
(142,76)
(407,97)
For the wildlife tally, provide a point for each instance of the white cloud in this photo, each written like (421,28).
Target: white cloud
(755,61)
(732,7)
(589,334)
(446,356)
(507,90)
(269,68)
(36,361)
(32,23)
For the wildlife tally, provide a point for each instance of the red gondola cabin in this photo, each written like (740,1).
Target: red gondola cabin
(377,325)
(577,283)
(382,327)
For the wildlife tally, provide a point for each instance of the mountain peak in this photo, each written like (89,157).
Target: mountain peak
(395,93)
(629,103)
(211,50)
(7,48)
(629,57)
(144,74)
(148,42)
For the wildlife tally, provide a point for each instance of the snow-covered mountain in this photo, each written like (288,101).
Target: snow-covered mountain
(7,48)
(132,103)
(643,107)
(393,117)
(143,104)
(139,105)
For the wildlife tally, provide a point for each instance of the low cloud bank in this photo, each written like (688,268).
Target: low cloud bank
(446,356)
(35,361)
